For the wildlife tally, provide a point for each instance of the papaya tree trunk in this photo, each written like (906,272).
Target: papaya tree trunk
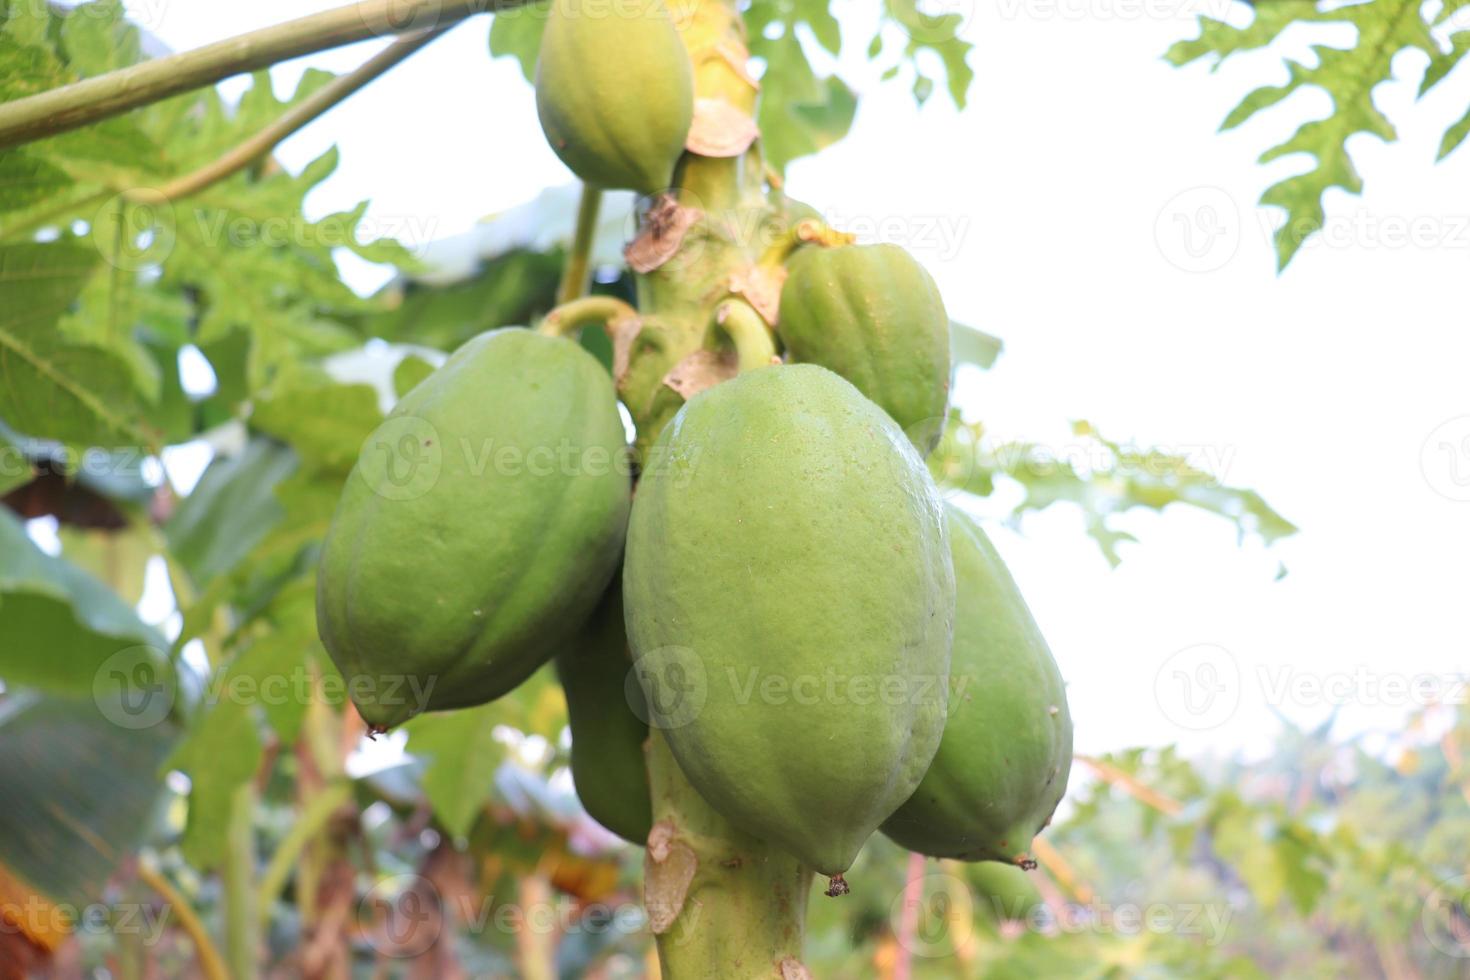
(722,904)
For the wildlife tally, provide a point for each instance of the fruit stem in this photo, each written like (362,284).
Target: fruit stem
(747,333)
(576,275)
(568,319)
(723,905)
(808,231)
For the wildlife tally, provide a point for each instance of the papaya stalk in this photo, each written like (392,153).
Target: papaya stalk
(569,319)
(747,333)
(721,903)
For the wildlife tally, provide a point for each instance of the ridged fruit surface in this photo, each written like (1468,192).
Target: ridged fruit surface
(608,722)
(872,314)
(789,602)
(1002,765)
(615,92)
(482,522)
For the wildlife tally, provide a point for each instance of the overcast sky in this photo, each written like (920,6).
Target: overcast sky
(1085,209)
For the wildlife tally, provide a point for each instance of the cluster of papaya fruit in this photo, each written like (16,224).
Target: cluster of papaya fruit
(828,646)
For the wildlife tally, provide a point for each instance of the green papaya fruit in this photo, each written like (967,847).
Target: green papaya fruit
(872,314)
(482,522)
(615,92)
(1003,892)
(789,602)
(1003,763)
(608,730)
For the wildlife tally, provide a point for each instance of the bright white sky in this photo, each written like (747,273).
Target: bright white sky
(1056,196)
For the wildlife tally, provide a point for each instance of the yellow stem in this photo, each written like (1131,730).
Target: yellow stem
(210,960)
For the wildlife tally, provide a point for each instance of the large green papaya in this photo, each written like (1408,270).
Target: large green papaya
(484,518)
(789,602)
(615,91)
(872,314)
(1003,763)
(608,729)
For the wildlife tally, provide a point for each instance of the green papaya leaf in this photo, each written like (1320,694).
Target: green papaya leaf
(64,632)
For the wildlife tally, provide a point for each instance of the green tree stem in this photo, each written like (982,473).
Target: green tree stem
(747,332)
(92,99)
(238,874)
(569,319)
(313,817)
(211,963)
(723,905)
(576,276)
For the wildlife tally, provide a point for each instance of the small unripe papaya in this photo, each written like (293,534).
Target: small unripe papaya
(482,522)
(1003,763)
(608,729)
(874,315)
(615,92)
(789,601)
(1003,892)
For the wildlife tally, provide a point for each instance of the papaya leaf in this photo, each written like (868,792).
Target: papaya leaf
(323,421)
(60,628)
(409,372)
(230,510)
(1348,76)
(79,794)
(75,393)
(938,33)
(238,256)
(222,750)
(516,33)
(1115,479)
(462,756)
(971,346)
